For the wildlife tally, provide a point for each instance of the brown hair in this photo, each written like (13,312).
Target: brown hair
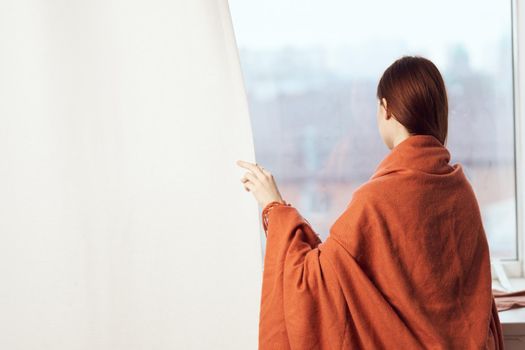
(416,95)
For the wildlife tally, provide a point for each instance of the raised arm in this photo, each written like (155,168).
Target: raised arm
(300,290)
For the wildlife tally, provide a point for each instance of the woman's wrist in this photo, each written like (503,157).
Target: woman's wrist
(267,208)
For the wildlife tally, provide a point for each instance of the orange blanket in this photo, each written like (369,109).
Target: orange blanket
(405,266)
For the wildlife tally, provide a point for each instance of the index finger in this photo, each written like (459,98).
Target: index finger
(250,166)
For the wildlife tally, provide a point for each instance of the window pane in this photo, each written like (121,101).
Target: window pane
(311,69)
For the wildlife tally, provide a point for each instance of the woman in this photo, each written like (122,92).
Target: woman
(406,265)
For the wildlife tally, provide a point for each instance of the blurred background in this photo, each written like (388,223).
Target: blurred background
(311,70)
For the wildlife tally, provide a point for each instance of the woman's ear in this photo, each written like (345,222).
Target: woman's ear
(385,104)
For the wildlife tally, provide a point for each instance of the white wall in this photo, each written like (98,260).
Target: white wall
(123,223)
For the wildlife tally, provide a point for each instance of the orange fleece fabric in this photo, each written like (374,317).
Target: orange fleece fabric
(405,266)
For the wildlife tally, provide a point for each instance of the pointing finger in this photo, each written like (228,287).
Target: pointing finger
(253,167)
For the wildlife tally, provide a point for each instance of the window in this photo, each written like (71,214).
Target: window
(311,69)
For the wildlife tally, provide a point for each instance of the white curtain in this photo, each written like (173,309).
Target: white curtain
(123,222)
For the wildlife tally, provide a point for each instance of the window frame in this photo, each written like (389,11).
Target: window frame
(516,267)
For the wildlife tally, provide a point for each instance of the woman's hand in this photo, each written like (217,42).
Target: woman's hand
(261,183)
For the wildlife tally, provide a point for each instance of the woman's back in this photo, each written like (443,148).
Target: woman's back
(430,255)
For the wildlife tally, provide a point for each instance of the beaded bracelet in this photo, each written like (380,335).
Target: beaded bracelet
(267,209)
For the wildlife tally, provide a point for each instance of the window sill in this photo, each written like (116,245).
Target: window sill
(513,320)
